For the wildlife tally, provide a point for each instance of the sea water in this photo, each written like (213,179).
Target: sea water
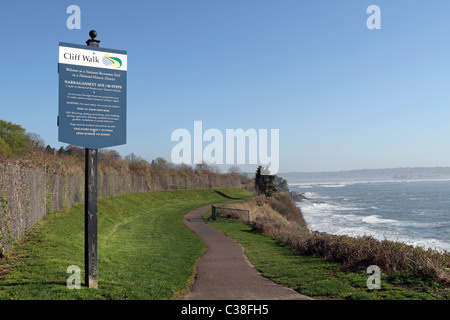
(414,212)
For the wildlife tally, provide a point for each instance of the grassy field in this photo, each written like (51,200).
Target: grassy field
(146,253)
(144,250)
(315,276)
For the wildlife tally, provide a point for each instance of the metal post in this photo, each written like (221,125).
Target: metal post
(92,42)
(90,208)
(90,219)
(213,212)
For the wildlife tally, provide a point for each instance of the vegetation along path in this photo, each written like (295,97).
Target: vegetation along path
(145,252)
(224,272)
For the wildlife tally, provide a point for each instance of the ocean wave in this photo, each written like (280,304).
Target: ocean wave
(431,243)
(360,231)
(343,183)
(397,212)
(316,209)
(353,232)
(310,185)
(338,226)
(375,219)
(312,195)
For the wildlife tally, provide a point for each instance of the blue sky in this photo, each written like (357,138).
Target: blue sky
(343,96)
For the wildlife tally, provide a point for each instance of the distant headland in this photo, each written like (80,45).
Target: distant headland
(392,174)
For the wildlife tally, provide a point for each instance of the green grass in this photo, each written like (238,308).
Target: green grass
(313,276)
(144,250)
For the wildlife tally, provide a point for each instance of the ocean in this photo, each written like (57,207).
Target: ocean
(412,212)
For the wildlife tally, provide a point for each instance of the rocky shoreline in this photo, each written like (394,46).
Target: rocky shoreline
(297,196)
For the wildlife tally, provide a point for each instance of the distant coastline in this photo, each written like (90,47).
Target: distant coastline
(369,175)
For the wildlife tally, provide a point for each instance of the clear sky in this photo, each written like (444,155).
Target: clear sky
(343,96)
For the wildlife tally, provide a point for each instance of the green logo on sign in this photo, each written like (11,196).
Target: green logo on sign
(112,61)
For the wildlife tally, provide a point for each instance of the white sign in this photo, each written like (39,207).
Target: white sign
(92,58)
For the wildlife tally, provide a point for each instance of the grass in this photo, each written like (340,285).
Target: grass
(418,270)
(144,250)
(315,276)
(146,253)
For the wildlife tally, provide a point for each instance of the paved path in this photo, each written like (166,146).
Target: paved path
(224,272)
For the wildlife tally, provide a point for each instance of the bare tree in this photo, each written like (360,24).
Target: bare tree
(160,164)
(234,170)
(37,143)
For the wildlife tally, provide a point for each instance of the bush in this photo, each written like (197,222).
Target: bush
(279,217)
(360,252)
(5,150)
(284,205)
(15,137)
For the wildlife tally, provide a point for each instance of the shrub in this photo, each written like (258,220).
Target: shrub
(361,252)
(280,218)
(284,205)
(15,137)
(5,150)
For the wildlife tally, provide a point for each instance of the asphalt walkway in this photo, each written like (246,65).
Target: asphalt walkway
(224,272)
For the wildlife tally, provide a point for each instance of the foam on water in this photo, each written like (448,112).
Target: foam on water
(382,211)
(374,219)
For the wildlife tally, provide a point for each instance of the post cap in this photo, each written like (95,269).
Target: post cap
(92,42)
(93,34)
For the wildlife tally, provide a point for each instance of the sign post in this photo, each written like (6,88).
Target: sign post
(90,205)
(90,218)
(92,115)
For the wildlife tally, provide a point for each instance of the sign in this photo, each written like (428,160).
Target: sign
(92,96)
